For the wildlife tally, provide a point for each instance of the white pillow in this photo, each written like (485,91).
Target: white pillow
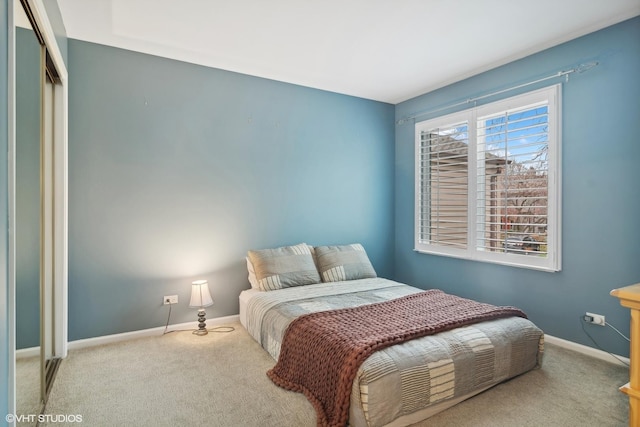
(252,275)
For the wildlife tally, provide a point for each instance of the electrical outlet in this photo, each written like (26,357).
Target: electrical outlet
(596,319)
(170,299)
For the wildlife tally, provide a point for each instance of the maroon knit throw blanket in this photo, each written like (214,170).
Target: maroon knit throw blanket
(321,352)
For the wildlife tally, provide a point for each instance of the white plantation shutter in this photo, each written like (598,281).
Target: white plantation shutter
(444,182)
(488,182)
(512,179)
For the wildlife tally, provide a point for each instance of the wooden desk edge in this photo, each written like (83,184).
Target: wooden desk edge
(629,296)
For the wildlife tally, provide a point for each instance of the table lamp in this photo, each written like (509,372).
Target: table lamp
(200,298)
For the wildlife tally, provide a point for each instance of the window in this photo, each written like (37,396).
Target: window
(488,182)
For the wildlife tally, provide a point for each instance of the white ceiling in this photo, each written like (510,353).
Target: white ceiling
(385,50)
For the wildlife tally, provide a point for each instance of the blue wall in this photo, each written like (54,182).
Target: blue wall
(601,194)
(176,170)
(6,383)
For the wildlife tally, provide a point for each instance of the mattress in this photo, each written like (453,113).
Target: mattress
(408,382)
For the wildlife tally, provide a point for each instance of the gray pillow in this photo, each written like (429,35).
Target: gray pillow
(284,267)
(346,262)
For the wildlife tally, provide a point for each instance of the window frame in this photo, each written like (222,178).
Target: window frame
(552,262)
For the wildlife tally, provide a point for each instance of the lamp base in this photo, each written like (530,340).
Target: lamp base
(202,325)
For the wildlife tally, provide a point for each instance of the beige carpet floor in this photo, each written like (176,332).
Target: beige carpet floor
(180,379)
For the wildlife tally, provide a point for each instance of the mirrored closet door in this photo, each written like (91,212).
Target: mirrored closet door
(48,361)
(28,101)
(35,292)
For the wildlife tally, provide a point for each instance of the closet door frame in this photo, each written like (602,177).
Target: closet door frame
(59,160)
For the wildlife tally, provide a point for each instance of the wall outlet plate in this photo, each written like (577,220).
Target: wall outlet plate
(598,319)
(170,299)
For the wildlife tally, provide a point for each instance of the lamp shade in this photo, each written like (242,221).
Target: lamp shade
(200,295)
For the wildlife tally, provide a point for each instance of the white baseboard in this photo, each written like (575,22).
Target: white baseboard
(589,351)
(107,339)
(90,342)
(23,353)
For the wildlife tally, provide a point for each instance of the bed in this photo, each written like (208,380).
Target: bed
(403,383)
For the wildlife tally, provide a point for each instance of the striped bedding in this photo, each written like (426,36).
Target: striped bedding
(409,382)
